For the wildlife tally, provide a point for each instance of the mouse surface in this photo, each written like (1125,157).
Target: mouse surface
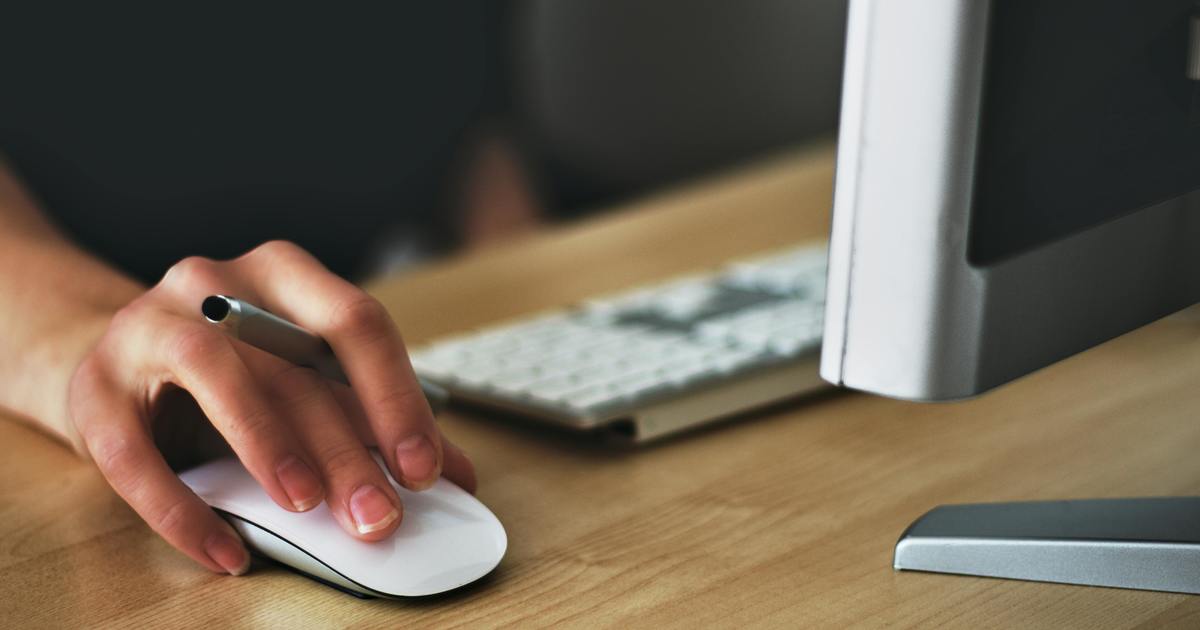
(446,539)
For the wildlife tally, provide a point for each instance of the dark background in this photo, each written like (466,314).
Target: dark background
(153,131)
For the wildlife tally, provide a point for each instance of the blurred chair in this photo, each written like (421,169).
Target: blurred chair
(618,97)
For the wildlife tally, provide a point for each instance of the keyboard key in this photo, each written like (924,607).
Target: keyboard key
(592,398)
(431,367)
(637,384)
(476,374)
(609,354)
(729,361)
(517,380)
(685,376)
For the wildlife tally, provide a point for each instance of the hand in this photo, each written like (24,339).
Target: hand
(303,438)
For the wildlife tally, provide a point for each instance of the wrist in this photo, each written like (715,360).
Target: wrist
(56,301)
(54,321)
(51,364)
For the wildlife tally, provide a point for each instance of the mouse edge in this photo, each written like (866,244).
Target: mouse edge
(332,577)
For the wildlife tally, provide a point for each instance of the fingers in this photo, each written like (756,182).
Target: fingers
(125,454)
(358,492)
(293,284)
(301,437)
(203,361)
(189,281)
(456,466)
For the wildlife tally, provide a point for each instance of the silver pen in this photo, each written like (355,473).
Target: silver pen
(271,333)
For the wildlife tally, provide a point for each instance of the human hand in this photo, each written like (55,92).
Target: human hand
(302,437)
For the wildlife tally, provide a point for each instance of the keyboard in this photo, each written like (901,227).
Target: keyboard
(654,360)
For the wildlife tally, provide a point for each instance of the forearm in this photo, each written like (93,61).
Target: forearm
(55,302)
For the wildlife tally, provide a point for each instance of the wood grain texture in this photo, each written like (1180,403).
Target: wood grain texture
(783,518)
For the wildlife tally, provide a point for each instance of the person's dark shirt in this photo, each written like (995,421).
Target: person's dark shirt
(173,130)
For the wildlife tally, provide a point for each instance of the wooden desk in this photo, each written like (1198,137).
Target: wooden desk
(786,518)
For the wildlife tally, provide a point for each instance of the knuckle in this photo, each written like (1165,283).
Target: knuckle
(113,453)
(295,378)
(255,427)
(191,271)
(361,315)
(171,522)
(126,319)
(297,384)
(274,249)
(88,376)
(341,458)
(88,379)
(406,403)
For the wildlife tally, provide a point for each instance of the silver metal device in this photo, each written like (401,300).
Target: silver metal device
(269,332)
(1151,544)
(654,360)
(909,313)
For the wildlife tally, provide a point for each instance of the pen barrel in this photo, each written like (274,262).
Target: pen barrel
(276,335)
(286,340)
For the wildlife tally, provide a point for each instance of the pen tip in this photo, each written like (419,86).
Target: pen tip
(215,308)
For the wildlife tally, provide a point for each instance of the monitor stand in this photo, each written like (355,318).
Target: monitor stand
(1150,544)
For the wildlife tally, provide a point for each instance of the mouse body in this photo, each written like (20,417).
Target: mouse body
(446,539)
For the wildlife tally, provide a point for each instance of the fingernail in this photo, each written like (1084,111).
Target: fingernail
(298,481)
(228,552)
(417,459)
(372,510)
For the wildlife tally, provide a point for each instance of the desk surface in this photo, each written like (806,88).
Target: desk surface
(786,517)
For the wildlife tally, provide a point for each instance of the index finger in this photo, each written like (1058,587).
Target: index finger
(125,453)
(295,285)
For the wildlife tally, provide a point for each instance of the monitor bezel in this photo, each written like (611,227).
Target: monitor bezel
(907,315)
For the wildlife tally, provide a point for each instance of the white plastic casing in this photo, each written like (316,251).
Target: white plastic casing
(446,539)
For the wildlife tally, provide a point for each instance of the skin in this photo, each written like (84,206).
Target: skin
(130,376)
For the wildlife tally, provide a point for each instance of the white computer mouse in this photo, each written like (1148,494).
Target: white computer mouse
(446,539)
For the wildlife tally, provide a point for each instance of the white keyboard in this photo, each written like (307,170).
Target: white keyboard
(653,360)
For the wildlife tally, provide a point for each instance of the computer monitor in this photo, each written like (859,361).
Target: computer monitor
(1016,182)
